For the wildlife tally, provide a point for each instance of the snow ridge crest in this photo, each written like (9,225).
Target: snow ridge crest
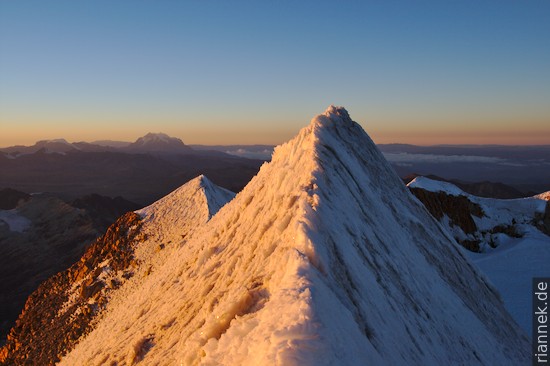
(302,268)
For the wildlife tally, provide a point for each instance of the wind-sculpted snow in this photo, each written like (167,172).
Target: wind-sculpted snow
(323,259)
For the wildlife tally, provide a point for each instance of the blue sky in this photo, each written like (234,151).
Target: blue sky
(424,72)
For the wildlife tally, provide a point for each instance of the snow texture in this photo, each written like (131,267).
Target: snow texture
(324,258)
(512,266)
(515,261)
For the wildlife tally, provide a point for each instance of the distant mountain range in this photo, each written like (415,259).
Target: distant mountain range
(142,171)
(150,143)
(153,165)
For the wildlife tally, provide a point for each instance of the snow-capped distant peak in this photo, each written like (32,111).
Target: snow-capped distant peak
(436,186)
(157,137)
(158,142)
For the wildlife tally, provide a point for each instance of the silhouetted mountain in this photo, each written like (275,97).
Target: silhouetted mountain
(10,198)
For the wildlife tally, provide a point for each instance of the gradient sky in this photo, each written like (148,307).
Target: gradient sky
(221,72)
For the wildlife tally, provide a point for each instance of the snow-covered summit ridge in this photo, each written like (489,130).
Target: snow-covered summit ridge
(216,196)
(334,114)
(195,201)
(323,258)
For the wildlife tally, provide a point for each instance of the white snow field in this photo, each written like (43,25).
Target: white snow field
(513,264)
(324,258)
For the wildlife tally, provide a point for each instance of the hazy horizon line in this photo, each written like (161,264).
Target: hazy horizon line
(104,141)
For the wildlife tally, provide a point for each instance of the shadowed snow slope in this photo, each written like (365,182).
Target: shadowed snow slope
(323,259)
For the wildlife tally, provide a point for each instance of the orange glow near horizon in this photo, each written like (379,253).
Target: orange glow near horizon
(227,134)
(222,128)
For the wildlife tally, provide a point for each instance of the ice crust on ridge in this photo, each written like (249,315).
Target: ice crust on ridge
(324,258)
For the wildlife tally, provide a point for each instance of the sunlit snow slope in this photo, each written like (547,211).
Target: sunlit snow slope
(323,259)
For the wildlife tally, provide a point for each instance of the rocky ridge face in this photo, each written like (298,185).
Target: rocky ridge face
(41,235)
(479,223)
(63,307)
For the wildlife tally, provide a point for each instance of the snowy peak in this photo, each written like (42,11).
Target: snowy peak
(158,142)
(190,205)
(335,115)
(324,258)
(156,137)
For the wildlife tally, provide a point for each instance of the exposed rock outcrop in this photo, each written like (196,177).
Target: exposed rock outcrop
(459,209)
(43,333)
(479,224)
